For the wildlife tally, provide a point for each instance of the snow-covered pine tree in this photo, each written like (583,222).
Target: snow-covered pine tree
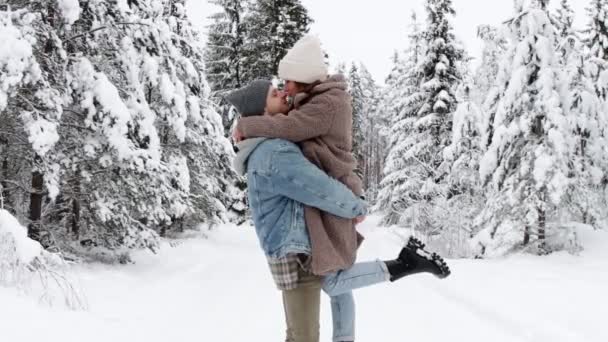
(373,147)
(596,37)
(597,29)
(359,104)
(389,96)
(119,188)
(466,197)
(366,125)
(216,191)
(564,21)
(586,198)
(341,69)
(273,27)
(139,150)
(525,167)
(486,94)
(494,47)
(396,69)
(224,55)
(416,172)
(588,122)
(31,100)
(399,106)
(383,116)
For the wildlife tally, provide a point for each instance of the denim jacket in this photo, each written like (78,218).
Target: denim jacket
(245,148)
(281,180)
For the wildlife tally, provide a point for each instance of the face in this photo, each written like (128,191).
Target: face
(276,102)
(292,88)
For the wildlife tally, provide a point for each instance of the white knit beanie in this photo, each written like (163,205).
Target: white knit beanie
(304,62)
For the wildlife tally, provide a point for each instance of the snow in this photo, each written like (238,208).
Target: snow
(123,6)
(70,10)
(42,134)
(25,249)
(175,94)
(17,63)
(219,289)
(96,87)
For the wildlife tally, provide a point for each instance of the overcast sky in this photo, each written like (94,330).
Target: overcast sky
(370,31)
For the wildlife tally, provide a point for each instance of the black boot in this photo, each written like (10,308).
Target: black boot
(415,259)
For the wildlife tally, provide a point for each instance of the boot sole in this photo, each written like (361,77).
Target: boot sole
(418,247)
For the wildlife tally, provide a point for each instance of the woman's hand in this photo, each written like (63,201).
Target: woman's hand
(359,219)
(237,135)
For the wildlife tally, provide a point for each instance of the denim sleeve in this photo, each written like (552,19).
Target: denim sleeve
(293,176)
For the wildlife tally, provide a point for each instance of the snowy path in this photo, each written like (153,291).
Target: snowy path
(220,290)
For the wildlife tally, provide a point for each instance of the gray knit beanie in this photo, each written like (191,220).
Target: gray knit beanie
(251,99)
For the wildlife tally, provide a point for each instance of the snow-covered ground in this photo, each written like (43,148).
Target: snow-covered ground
(219,289)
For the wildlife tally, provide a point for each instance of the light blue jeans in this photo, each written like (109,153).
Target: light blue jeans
(339,287)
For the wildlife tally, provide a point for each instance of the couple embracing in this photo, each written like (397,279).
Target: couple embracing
(295,147)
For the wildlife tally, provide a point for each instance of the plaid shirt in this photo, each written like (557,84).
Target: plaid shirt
(285,271)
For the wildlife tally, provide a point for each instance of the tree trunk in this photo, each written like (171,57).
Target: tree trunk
(237,45)
(33,230)
(542,218)
(76,217)
(541,228)
(585,216)
(4,185)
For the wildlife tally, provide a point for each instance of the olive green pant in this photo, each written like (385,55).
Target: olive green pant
(302,308)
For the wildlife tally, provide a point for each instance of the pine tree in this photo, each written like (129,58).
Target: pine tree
(388,93)
(31,100)
(216,191)
(597,42)
(526,165)
(565,19)
(359,113)
(382,118)
(341,69)
(567,35)
(224,55)
(486,94)
(439,65)
(597,29)
(366,125)
(588,124)
(372,148)
(273,27)
(466,197)
(416,174)
(136,150)
(494,46)
(400,105)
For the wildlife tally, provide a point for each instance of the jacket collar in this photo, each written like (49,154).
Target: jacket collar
(337,81)
(245,148)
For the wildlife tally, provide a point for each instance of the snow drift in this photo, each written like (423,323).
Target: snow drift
(25,265)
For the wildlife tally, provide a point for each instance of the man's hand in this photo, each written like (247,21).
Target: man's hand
(237,135)
(359,219)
